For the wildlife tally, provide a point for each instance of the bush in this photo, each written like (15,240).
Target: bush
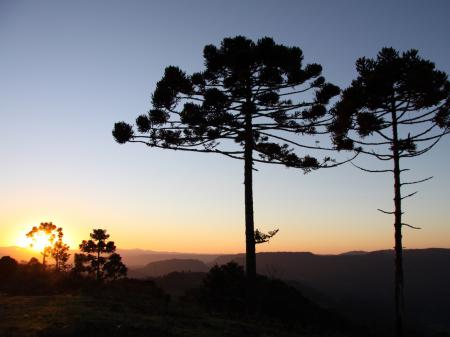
(224,291)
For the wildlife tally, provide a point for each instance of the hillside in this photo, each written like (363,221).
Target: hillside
(18,253)
(160,268)
(139,258)
(362,284)
(74,316)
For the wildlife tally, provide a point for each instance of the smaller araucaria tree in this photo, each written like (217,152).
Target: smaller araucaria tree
(94,262)
(43,237)
(396,109)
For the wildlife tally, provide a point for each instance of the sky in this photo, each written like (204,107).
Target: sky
(70,70)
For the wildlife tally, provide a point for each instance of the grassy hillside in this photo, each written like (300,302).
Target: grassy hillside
(84,315)
(42,302)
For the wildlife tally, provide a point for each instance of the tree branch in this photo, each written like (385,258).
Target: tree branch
(371,171)
(405,224)
(417,181)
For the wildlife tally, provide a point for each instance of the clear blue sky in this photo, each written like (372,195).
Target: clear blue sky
(69,70)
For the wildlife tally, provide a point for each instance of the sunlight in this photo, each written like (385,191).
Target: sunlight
(40,241)
(22,243)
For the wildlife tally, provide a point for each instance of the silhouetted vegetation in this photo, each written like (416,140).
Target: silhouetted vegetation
(60,253)
(7,266)
(261,237)
(50,237)
(402,104)
(223,291)
(93,263)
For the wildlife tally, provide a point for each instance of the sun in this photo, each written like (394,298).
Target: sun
(38,243)
(39,240)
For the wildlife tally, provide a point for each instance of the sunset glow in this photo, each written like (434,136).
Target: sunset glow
(38,243)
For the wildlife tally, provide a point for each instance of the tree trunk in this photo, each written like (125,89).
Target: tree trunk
(399,296)
(43,258)
(250,253)
(98,264)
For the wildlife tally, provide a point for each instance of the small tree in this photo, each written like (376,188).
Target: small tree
(60,252)
(251,103)
(80,262)
(102,267)
(34,265)
(114,268)
(8,266)
(397,108)
(44,235)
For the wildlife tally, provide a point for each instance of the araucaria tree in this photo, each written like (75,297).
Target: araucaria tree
(94,262)
(397,108)
(252,103)
(44,236)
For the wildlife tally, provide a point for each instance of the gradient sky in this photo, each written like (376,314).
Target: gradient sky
(69,70)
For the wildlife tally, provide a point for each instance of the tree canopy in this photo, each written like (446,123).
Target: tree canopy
(264,81)
(46,233)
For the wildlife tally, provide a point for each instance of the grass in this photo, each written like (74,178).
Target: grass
(84,315)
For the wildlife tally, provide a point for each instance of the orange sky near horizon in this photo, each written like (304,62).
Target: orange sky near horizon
(329,240)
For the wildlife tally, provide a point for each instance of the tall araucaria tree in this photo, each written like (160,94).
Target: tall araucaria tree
(252,103)
(397,108)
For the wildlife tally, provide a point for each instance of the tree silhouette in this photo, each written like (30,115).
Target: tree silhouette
(261,237)
(401,103)
(8,266)
(100,266)
(114,268)
(251,103)
(79,264)
(60,252)
(47,232)
(34,265)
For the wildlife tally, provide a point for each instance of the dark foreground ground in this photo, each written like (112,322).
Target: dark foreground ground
(42,302)
(85,315)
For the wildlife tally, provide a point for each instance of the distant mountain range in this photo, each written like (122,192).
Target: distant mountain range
(19,253)
(161,268)
(360,284)
(139,257)
(133,258)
